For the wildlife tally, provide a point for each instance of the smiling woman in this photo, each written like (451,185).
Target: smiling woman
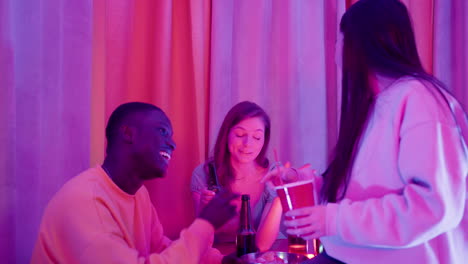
(246,140)
(239,161)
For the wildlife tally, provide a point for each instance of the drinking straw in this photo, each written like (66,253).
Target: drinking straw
(275,153)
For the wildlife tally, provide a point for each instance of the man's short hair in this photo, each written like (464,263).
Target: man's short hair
(120,114)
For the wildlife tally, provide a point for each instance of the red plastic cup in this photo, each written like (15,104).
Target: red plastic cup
(296,195)
(293,196)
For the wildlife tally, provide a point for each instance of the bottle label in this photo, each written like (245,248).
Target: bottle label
(245,244)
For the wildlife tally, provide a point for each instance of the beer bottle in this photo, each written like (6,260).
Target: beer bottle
(245,240)
(213,182)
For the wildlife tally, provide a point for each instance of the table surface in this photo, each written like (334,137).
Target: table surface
(228,248)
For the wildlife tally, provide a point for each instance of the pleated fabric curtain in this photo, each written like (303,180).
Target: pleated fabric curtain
(45,76)
(450,46)
(279,54)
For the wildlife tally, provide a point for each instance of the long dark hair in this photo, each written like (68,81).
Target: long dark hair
(222,156)
(378,38)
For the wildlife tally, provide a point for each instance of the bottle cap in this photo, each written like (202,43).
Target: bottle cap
(245,197)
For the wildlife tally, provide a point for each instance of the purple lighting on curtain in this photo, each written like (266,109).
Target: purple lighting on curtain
(48,48)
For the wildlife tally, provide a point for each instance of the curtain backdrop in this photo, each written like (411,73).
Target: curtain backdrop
(450,43)
(45,73)
(274,53)
(64,67)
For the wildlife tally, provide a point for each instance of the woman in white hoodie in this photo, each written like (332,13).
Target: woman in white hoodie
(395,190)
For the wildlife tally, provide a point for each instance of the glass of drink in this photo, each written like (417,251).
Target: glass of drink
(296,195)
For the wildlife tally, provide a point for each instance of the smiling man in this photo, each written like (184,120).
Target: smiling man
(105,215)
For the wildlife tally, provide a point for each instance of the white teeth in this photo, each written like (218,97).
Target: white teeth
(165,155)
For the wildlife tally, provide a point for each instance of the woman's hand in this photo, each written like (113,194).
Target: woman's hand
(308,222)
(280,174)
(306,172)
(206,196)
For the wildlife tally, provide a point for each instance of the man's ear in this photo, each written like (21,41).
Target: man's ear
(128,133)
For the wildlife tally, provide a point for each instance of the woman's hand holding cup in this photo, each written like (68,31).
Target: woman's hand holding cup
(306,222)
(280,174)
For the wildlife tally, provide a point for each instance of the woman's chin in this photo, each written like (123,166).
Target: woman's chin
(245,160)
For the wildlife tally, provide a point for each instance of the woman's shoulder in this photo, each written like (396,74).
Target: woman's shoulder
(406,86)
(199,178)
(200,170)
(419,90)
(419,101)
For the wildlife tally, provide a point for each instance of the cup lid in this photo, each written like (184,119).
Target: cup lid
(293,184)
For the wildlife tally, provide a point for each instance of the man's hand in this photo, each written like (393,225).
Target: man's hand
(219,210)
